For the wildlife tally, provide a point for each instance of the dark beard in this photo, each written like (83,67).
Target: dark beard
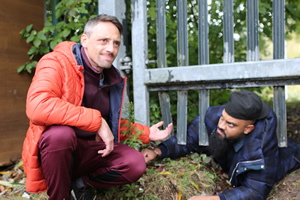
(218,146)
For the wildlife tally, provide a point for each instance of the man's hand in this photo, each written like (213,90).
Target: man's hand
(150,154)
(156,134)
(205,198)
(106,135)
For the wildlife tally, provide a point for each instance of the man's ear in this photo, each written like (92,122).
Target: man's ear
(83,39)
(248,128)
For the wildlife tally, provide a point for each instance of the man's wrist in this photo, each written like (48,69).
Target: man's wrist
(155,150)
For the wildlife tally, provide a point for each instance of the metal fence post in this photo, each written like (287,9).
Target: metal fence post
(203,58)
(139,55)
(278,53)
(164,97)
(252,30)
(182,60)
(228,31)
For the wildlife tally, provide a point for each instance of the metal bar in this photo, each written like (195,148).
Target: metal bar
(182,35)
(203,58)
(164,98)
(228,31)
(53,5)
(203,106)
(203,54)
(280,109)
(140,47)
(278,53)
(53,10)
(182,117)
(267,69)
(164,101)
(278,29)
(226,84)
(161,33)
(252,30)
(182,59)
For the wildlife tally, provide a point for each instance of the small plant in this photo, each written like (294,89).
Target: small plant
(132,140)
(179,179)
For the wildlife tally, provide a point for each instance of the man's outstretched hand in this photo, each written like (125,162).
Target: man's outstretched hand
(156,134)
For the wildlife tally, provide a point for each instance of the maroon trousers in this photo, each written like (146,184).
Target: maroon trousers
(65,157)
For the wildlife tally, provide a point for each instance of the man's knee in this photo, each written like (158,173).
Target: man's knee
(137,165)
(58,137)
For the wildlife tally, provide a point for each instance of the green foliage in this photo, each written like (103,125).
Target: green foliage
(292,19)
(65,24)
(132,140)
(124,192)
(219,96)
(154,109)
(266,94)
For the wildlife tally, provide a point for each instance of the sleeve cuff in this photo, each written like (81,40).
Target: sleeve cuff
(163,150)
(222,197)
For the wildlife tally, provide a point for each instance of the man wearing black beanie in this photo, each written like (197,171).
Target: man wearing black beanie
(243,140)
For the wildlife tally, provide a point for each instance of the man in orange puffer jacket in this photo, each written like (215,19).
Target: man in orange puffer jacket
(74,105)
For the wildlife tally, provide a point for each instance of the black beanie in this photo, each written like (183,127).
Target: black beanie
(246,105)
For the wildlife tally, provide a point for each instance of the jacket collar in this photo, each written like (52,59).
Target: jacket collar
(238,145)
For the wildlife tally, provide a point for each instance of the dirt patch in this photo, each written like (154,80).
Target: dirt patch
(288,188)
(293,121)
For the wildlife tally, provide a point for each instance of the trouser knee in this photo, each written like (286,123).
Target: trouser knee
(57,138)
(136,163)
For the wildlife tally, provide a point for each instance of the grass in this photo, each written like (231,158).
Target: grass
(164,179)
(169,179)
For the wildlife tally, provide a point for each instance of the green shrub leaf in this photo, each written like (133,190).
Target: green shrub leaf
(29,27)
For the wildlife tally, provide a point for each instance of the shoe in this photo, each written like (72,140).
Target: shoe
(83,193)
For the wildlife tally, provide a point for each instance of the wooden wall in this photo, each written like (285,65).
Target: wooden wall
(15,15)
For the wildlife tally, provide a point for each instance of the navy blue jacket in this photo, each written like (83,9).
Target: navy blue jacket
(254,164)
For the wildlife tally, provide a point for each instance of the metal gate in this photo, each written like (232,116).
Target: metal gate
(204,76)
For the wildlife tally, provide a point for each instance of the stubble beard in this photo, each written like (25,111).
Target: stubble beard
(100,65)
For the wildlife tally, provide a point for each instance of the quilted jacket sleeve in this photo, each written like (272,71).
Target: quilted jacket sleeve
(55,96)
(128,129)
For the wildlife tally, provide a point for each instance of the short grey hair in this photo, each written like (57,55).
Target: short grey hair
(89,26)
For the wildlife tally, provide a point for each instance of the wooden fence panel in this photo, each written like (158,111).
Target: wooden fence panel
(15,15)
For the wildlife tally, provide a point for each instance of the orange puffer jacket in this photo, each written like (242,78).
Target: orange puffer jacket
(55,97)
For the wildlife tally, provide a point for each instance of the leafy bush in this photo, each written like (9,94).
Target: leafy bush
(65,24)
